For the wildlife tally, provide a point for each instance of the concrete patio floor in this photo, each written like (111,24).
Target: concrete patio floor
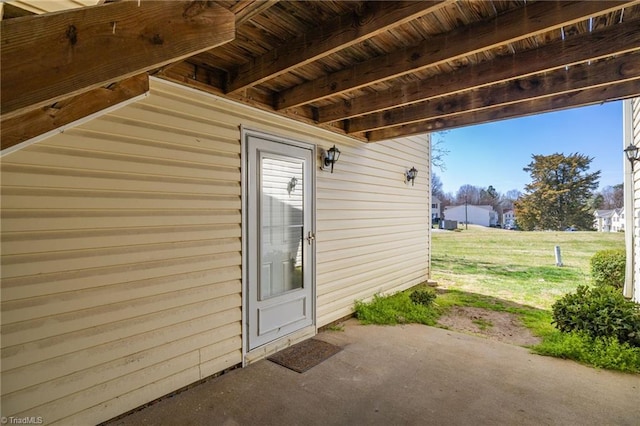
(408,375)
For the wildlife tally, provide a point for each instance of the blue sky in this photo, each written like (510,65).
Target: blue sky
(495,153)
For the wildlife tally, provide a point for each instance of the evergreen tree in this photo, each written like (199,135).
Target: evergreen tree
(559,193)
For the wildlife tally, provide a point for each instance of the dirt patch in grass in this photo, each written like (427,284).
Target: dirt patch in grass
(502,326)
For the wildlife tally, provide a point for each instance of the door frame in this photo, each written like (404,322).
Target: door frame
(245,133)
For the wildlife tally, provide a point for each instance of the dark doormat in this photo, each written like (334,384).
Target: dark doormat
(304,355)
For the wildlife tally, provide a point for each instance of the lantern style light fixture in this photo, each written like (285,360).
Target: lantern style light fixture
(410,175)
(632,153)
(330,157)
(291,186)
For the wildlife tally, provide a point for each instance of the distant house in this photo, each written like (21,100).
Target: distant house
(477,215)
(617,220)
(508,218)
(603,220)
(436,207)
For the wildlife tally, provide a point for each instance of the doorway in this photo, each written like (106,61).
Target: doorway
(279,238)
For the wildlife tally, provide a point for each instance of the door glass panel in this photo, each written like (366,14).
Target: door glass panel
(281,218)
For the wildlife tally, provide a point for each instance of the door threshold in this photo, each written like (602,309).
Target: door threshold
(277,345)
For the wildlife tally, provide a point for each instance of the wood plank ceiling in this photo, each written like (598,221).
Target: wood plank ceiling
(379,69)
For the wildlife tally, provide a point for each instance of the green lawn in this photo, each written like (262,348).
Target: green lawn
(516,266)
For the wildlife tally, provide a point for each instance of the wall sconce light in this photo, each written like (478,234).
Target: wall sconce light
(330,157)
(633,154)
(291,186)
(410,175)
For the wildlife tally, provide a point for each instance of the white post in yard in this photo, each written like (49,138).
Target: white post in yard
(558,256)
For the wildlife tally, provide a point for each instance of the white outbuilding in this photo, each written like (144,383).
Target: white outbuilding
(478,215)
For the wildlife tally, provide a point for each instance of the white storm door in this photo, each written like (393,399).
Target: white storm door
(279,292)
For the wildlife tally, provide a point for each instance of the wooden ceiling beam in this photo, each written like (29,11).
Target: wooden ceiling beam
(624,90)
(33,123)
(48,57)
(509,27)
(245,10)
(615,40)
(580,77)
(340,33)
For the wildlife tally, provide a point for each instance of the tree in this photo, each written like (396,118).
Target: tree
(436,186)
(488,195)
(491,197)
(618,195)
(596,202)
(509,198)
(437,192)
(611,197)
(512,195)
(447,199)
(468,194)
(438,152)
(437,161)
(559,193)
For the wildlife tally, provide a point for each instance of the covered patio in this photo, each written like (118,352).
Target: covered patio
(141,141)
(410,375)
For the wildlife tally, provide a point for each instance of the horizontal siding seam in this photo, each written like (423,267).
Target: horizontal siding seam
(116,324)
(87,273)
(157,108)
(46,407)
(213,139)
(43,191)
(129,158)
(106,232)
(107,176)
(181,344)
(99,307)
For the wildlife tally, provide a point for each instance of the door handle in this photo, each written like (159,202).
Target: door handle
(310,237)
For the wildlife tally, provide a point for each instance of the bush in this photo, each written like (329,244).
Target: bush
(602,352)
(598,312)
(424,297)
(607,267)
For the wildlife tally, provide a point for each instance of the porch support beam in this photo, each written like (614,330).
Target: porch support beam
(33,123)
(518,24)
(624,90)
(49,57)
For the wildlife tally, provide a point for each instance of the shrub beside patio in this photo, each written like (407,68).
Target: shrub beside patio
(608,267)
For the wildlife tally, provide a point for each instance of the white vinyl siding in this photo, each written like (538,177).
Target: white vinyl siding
(121,262)
(121,249)
(634,130)
(372,228)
